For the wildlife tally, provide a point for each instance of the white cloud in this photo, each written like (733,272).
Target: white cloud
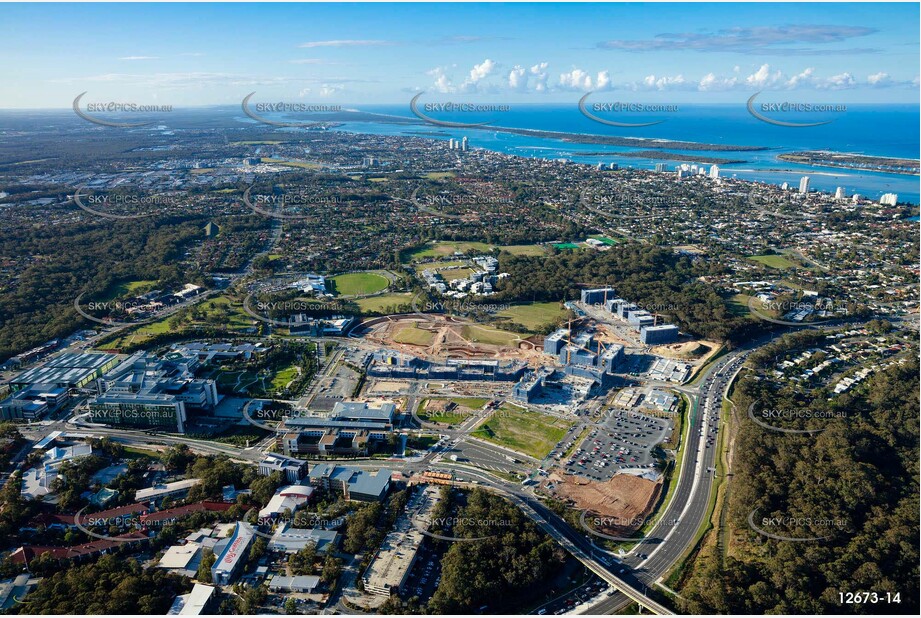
(518,78)
(711,82)
(442,81)
(539,71)
(801,79)
(763,77)
(139,58)
(663,83)
(878,79)
(481,71)
(840,82)
(577,79)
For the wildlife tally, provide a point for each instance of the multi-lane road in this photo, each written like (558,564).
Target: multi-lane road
(635,574)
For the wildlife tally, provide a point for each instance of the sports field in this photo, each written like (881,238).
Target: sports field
(358,284)
(524,431)
(533,316)
(773,261)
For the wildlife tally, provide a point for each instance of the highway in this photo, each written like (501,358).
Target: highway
(635,574)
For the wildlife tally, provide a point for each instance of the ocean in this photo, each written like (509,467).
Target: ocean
(889,131)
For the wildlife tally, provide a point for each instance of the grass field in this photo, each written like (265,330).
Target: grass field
(281,378)
(604,239)
(121,290)
(524,431)
(402,301)
(440,175)
(524,249)
(218,310)
(482,334)
(414,336)
(533,315)
(778,262)
(446,248)
(566,245)
(738,304)
(354,284)
(455,273)
(436,266)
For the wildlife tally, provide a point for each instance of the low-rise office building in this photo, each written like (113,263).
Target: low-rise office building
(297,583)
(168,490)
(68,370)
(658,335)
(291,540)
(231,554)
(33,402)
(293,469)
(351,483)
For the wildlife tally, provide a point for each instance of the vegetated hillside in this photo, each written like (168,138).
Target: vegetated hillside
(655,278)
(112,585)
(515,561)
(857,481)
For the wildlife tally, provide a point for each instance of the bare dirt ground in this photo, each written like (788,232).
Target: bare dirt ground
(624,497)
(696,352)
(448,341)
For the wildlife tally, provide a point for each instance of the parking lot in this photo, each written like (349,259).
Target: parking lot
(425,575)
(623,442)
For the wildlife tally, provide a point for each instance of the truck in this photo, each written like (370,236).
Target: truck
(511,459)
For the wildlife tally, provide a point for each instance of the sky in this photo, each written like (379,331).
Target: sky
(692,52)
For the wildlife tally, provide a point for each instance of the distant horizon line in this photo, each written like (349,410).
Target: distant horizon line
(406,103)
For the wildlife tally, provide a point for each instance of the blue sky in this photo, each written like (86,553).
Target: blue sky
(183,54)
